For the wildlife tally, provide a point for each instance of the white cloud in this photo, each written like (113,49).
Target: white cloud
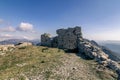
(25,27)
(7,29)
(6,36)
(28,37)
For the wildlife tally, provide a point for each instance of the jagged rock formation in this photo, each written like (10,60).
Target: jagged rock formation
(112,55)
(71,38)
(94,52)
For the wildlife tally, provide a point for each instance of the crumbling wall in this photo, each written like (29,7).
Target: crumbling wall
(54,42)
(46,39)
(67,38)
(71,38)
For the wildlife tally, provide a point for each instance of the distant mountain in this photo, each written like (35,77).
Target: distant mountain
(35,41)
(112,41)
(112,45)
(112,52)
(16,41)
(113,55)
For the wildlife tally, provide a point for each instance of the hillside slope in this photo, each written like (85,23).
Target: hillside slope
(43,63)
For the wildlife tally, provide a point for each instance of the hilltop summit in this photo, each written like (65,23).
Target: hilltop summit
(72,39)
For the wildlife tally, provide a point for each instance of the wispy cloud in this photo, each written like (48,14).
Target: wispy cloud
(28,37)
(25,27)
(25,30)
(7,29)
(6,36)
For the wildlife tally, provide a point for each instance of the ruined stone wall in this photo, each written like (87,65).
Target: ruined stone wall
(67,38)
(54,42)
(46,40)
(71,38)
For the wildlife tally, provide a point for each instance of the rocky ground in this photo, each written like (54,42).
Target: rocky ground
(43,63)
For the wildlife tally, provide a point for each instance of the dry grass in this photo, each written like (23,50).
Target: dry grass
(44,63)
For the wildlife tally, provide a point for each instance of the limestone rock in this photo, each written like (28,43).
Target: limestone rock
(113,65)
(6,47)
(95,52)
(91,51)
(23,44)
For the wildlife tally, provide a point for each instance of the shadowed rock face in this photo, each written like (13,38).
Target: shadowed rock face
(67,38)
(46,40)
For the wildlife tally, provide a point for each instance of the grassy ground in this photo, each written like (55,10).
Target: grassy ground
(42,63)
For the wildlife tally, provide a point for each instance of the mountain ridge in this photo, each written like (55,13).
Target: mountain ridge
(16,41)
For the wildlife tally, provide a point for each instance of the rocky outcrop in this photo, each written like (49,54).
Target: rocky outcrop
(23,44)
(112,55)
(71,39)
(92,51)
(6,47)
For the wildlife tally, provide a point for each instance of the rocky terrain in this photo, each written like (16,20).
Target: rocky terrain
(72,39)
(43,63)
(67,56)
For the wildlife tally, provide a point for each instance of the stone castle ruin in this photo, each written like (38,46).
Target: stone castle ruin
(72,39)
(66,39)
(46,40)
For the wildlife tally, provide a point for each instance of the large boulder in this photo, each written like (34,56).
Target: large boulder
(6,47)
(23,44)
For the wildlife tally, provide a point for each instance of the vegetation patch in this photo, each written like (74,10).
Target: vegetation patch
(43,63)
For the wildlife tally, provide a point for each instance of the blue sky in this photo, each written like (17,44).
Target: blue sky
(99,19)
